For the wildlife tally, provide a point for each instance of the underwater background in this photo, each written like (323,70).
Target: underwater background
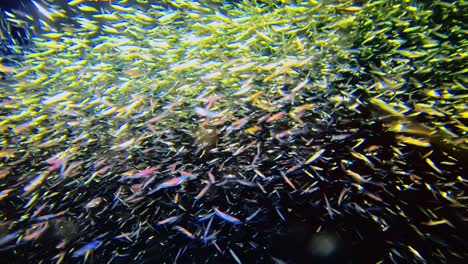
(246,131)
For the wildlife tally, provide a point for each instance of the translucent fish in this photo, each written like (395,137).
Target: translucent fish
(315,156)
(227,217)
(433,165)
(279,213)
(75,2)
(87,8)
(8,238)
(356,177)
(417,254)
(36,231)
(184,231)
(93,203)
(342,194)
(34,184)
(171,183)
(238,124)
(5,193)
(438,222)
(329,209)
(253,215)
(275,117)
(57,98)
(413,141)
(203,192)
(48,217)
(43,10)
(287,180)
(206,217)
(124,145)
(158,117)
(168,220)
(386,107)
(211,177)
(203,112)
(86,249)
(235,256)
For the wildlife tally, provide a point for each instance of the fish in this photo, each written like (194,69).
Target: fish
(349,103)
(34,184)
(43,11)
(5,193)
(386,107)
(206,217)
(93,203)
(202,192)
(203,112)
(211,177)
(238,124)
(342,194)
(253,215)
(8,238)
(236,258)
(171,183)
(287,180)
(315,156)
(356,177)
(227,217)
(57,98)
(184,231)
(124,145)
(414,141)
(433,165)
(363,158)
(169,220)
(39,230)
(329,209)
(87,249)
(277,209)
(38,219)
(416,253)
(275,117)
(146,172)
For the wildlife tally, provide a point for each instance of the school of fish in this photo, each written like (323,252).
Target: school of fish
(207,131)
